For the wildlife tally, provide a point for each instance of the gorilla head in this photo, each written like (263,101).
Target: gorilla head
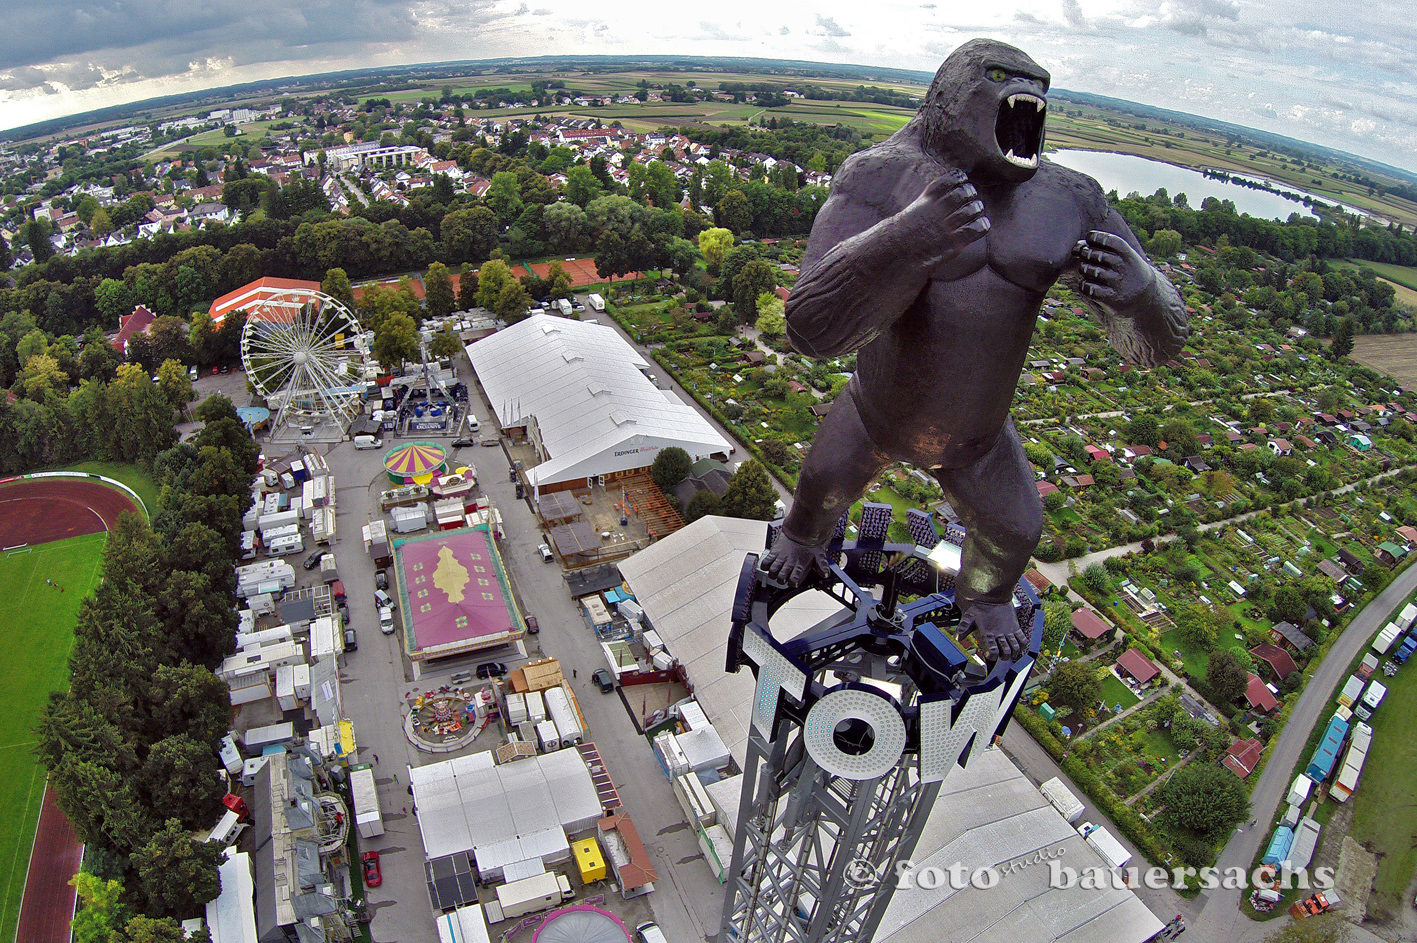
(984,112)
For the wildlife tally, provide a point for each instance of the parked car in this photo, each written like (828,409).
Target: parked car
(216,370)
(351,641)
(461,677)
(337,589)
(604,679)
(546,555)
(313,560)
(225,368)
(464,443)
(532,626)
(386,620)
(650,933)
(381,579)
(373,877)
(383,599)
(491,669)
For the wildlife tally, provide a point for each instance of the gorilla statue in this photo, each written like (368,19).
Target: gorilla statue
(931,259)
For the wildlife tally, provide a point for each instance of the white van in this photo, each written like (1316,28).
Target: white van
(367,442)
(386,620)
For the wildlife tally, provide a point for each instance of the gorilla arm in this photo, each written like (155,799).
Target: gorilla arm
(1140,309)
(875,264)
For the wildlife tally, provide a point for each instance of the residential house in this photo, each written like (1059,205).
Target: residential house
(1333,571)
(1290,637)
(1046,488)
(1097,454)
(1388,553)
(136,323)
(1078,482)
(1259,697)
(1091,627)
(1133,664)
(1281,446)
(1277,659)
(1408,534)
(1040,583)
(1242,757)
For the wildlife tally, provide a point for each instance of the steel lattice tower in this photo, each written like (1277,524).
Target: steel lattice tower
(855,724)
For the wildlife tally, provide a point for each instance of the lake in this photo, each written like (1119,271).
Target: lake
(1126,173)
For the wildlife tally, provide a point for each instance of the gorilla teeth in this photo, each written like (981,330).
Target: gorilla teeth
(1029,162)
(1037,103)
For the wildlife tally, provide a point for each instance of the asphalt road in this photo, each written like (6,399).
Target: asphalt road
(1220,917)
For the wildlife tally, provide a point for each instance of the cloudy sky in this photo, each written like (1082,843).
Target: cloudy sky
(1341,74)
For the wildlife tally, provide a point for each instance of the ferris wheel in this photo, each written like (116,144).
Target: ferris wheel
(303,351)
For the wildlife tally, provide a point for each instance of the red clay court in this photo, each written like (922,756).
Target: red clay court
(48,905)
(36,511)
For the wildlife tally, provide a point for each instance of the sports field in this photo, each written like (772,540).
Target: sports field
(36,634)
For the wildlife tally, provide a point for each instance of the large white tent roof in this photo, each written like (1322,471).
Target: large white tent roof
(987,814)
(586,389)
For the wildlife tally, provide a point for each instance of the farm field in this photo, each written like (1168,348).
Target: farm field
(36,634)
(1393,354)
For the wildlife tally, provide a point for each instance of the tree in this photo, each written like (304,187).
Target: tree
(734,212)
(1165,243)
(1205,798)
(100,911)
(177,874)
(1289,605)
(755,279)
(702,504)
(1057,620)
(670,467)
(395,341)
(1342,340)
(1095,578)
(1143,430)
(491,279)
(114,299)
(336,285)
(1261,411)
(467,288)
(772,321)
(582,186)
(1075,684)
(469,235)
(1199,625)
(161,930)
(714,244)
(179,777)
(438,291)
(444,344)
(1180,438)
(512,301)
(750,493)
(175,384)
(564,226)
(1227,678)
(504,198)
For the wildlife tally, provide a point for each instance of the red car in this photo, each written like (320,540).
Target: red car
(373,877)
(216,370)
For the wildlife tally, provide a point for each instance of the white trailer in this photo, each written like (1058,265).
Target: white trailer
(272,636)
(1306,839)
(230,755)
(464,925)
(1105,844)
(285,688)
(1408,618)
(280,533)
(1385,638)
(287,545)
(558,705)
(329,567)
(562,306)
(535,707)
(1299,792)
(322,525)
(258,738)
(278,519)
(529,895)
(1371,699)
(516,709)
(1062,799)
(549,736)
(365,793)
(227,830)
(596,302)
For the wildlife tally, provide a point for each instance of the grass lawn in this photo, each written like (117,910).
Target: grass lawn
(36,633)
(1159,746)
(1115,692)
(1385,805)
(130,475)
(1196,659)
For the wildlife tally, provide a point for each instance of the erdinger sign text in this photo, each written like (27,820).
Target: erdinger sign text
(858,732)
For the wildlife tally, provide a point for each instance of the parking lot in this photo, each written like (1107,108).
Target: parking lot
(377,677)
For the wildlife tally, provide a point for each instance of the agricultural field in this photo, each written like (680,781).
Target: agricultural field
(36,634)
(1393,354)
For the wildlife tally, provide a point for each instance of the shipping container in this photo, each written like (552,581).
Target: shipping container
(1062,799)
(558,706)
(365,793)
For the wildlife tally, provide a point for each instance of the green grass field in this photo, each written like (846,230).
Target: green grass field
(36,634)
(1115,692)
(1385,805)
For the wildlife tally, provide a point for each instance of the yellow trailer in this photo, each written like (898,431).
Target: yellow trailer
(589,860)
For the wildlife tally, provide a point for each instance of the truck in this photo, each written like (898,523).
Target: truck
(1279,845)
(1352,690)
(1105,844)
(558,705)
(367,817)
(1409,645)
(329,568)
(1319,903)
(376,542)
(1347,781)
(1062,799)
(562,306)
(529,895)
(1385,638)
(1368,665)
(1371,699)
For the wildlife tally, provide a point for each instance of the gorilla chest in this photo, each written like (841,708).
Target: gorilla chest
(1029,244)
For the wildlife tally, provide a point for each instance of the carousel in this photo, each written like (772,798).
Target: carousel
(416,463)
(446,718)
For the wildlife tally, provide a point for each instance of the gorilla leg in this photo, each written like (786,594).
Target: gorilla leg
(999,506)
(842,462)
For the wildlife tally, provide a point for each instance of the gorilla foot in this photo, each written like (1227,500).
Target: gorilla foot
(1000,635)
(791,562)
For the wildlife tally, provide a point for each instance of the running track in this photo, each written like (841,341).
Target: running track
(48,904)
(36,511)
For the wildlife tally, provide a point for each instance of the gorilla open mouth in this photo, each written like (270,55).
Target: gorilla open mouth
(1019,129)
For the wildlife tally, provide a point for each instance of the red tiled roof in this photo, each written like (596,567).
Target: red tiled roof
(1243,756)
(1137,665)
(1259,696)
(252,293)
(1276,657)
(136,323)
(1089,624)
(1046,488)
(640,869)
(1037,580)
(1408,534)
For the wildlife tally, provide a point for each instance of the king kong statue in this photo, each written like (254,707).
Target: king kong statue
(931,259)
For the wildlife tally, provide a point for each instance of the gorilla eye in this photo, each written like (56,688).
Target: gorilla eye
(997,75)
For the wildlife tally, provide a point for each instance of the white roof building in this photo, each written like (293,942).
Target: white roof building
(231,918)
(585,399)
(987,814)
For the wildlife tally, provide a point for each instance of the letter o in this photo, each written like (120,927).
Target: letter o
(930,879)
(984,878)
(870,720)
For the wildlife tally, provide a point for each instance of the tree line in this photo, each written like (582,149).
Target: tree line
(131,748)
